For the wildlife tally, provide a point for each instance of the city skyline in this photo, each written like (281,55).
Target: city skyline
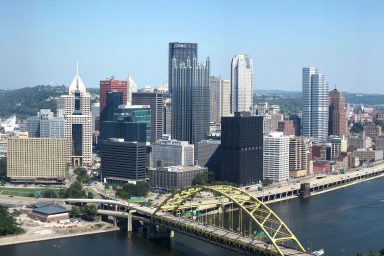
(340,39)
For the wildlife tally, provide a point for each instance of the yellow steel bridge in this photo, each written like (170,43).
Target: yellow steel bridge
(270,236)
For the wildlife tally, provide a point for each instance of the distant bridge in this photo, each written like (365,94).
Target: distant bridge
(221,215)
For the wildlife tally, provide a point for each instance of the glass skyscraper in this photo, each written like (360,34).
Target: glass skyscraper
(181,52)
(315,104)
(190,100)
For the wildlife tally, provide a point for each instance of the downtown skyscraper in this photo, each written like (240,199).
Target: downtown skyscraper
(181,52)
(241,83)
(315,104)
(337,115)
(190,100)
(76,110)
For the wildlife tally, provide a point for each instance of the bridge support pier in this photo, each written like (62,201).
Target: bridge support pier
(171,234)
(129,221)
(115,221)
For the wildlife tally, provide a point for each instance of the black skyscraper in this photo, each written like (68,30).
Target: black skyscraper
(114,99)
(122,161)
(181,52)
(155,101)
(242,148)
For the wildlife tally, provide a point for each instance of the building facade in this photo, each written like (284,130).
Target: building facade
(173,177)
(110,85)
(315,105)
(180,52)
(276,157)
(190,100)
(298,156)
(241,83)
(337,116)
(155,101)
(208,155)
(40,160)
(123,162)
(242,149)
(168,152)
(75,108)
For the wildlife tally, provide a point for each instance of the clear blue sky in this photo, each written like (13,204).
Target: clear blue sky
(41,40)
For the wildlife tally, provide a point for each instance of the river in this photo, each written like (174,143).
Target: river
(342,222)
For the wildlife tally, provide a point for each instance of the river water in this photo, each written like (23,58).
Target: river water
(342,222)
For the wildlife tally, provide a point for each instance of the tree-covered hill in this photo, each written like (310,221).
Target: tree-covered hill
(29,100)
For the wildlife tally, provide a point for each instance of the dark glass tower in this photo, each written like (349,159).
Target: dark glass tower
(242,148)
(155,101)
(114,100)
(190,100)
(123,161)
(181,52)
(77,139)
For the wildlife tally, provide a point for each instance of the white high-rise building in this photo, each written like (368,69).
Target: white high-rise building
(315,105)
(241,83)
(276,157)
(132,88)
(76,109)
(220,98)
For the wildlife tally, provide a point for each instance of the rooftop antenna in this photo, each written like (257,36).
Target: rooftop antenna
(77,75)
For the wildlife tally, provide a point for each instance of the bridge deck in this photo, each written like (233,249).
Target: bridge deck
(225,234)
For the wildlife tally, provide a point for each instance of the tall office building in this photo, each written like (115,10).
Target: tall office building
(208,155)
(298,156)
(167,117)
(242,148)
(132,87)
(220,98)
(76,110)
(45,125)
(123,162)
(315,105)
(190,100)
(168,152)
(41,160)
(113,100)
(132,123)
(109,86)
(155,101)
(337,116)
(241,83)
(95,110)
(181,52)
(276,157)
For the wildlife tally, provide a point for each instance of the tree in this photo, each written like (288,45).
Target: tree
(75,191)
(266,182)
(8,225)
(129,190)
(75,211)
(382,252)
(89,212)
(82,175)
(49,193)
(200,179)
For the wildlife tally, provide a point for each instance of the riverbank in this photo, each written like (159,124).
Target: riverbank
(38,231)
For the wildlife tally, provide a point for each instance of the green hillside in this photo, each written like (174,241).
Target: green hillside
(27,101)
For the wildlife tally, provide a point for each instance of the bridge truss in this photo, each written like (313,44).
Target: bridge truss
(270,229)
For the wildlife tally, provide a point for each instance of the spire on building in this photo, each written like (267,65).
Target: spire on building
(77,84)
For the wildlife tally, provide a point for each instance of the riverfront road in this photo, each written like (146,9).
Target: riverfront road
(317,185)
